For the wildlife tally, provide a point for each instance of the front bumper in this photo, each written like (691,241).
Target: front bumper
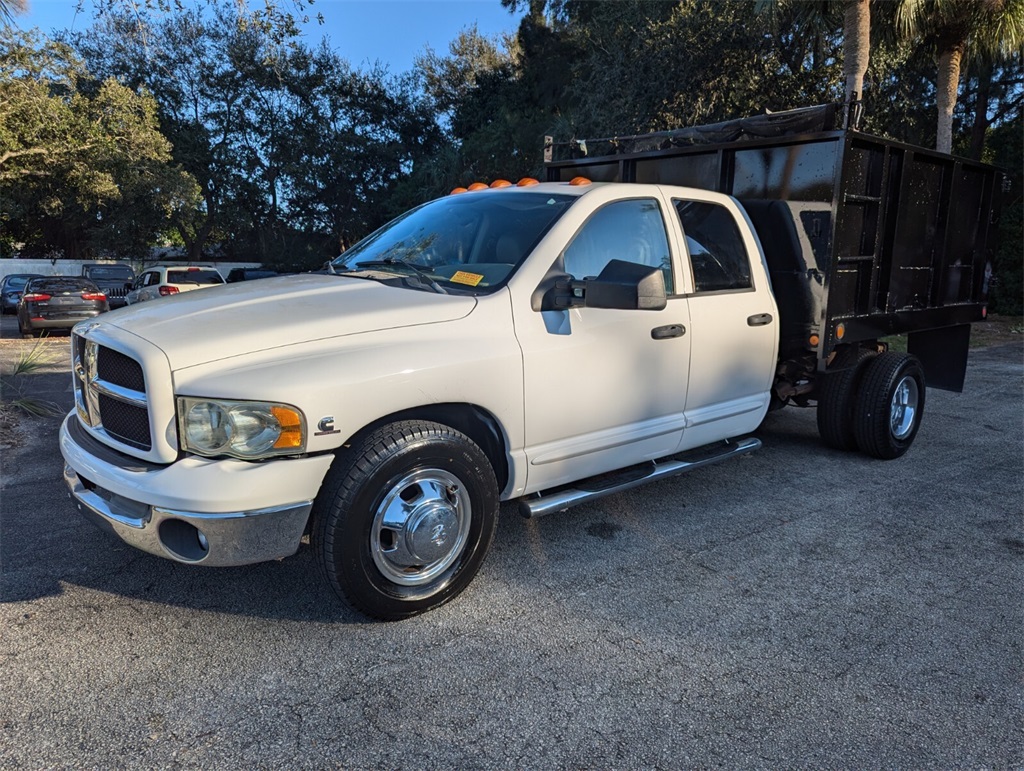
(198,511)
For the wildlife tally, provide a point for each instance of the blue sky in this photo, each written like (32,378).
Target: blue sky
(393,32)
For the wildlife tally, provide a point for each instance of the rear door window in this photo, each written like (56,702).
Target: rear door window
(717,255)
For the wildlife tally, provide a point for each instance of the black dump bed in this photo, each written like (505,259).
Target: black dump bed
(867,233)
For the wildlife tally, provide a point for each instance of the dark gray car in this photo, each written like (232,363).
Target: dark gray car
(58,302)
(11,288)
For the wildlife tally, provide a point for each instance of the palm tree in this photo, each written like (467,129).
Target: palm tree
(856,32)
(959,28)
(856,45)
(9,8)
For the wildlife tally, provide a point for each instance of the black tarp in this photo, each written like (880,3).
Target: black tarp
(802,121)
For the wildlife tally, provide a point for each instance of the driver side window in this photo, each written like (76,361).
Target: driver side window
(633,231)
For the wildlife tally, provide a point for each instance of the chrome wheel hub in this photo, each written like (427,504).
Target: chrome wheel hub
(421,526)
(903,410)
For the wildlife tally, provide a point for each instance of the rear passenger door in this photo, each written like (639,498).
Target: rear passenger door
(733,321)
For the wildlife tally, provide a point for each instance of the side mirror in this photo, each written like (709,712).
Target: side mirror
(621,285)
(628,286)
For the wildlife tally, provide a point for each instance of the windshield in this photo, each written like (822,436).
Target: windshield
(470,242)
(111,272)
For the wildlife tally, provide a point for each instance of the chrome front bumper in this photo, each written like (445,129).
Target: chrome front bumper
(196,510)
(216,540)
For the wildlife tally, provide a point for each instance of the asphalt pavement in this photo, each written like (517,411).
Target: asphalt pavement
(799,607)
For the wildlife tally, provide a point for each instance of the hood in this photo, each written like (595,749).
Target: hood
(232,320)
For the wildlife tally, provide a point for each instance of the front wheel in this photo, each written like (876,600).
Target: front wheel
(890,405)
(405,518)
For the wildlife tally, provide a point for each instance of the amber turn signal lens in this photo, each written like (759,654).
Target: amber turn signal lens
(291,427)
(840,331)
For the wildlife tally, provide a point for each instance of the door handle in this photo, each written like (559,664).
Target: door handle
(759,320)
(668,331)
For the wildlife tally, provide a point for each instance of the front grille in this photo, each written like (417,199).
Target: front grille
(114,367)
(125,422)
(110,393)
(77,358)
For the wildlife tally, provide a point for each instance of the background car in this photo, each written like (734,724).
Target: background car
(58,302)
(163,281)
(113,279)
(11,288)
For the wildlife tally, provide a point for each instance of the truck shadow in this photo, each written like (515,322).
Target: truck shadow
(47,546)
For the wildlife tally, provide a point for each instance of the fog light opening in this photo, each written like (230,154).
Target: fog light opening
(184,541)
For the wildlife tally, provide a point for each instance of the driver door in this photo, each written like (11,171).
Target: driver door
(605,388)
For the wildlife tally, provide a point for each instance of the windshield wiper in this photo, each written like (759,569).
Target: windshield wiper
(421,273)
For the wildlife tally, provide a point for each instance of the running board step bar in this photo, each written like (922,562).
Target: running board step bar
(599,487)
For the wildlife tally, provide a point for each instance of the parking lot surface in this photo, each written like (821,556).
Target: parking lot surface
(799,607)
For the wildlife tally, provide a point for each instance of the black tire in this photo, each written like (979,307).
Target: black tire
(374,568)
(26,334)
(890,405)
(836,396)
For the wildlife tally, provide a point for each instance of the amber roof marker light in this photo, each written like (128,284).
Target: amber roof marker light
(527,182)
(579,181)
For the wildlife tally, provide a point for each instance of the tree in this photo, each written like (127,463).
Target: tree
(295,153)
(447,80)
(75,153)
(217,82)
(11,8)
(954,29)
(856,16)
(353,139)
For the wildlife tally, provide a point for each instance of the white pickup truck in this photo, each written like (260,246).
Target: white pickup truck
(550,342)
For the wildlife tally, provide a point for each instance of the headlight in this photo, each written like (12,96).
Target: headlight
(245,430)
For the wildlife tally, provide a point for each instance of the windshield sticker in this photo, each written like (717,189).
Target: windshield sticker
(462,277)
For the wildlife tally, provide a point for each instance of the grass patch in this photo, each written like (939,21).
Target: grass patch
(15,399)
